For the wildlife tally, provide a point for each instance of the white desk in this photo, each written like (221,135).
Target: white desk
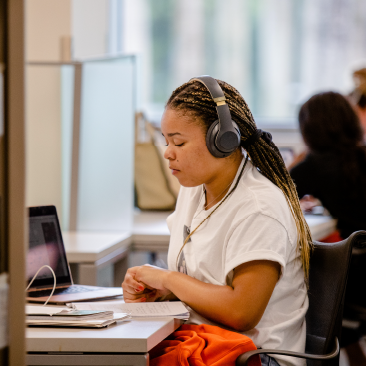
(125,343)
(320,226)
(92,251)
(150,231)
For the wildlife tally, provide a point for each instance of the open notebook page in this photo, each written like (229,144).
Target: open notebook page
(175,309)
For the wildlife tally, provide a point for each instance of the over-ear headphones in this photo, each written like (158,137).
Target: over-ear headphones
(223,136)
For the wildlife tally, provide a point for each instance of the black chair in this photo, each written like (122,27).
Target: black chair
(354,314)
(329,266)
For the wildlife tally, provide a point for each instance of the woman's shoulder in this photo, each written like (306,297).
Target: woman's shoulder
(254,186)
(257,195)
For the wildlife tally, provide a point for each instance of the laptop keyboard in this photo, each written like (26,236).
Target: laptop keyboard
(76,289)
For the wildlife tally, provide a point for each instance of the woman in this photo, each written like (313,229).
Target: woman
(239,247)
(334,171)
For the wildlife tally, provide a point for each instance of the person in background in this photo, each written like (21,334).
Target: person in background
(334,170)
(358,97)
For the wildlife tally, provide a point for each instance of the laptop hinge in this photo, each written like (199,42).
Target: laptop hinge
(39,288)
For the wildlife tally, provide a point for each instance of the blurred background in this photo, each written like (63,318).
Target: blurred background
(276,53)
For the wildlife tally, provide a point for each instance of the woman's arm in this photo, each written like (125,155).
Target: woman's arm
(240,306)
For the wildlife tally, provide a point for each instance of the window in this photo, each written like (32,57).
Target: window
(275,52)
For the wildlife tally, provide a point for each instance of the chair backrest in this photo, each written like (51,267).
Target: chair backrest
(355,298)
(329,266)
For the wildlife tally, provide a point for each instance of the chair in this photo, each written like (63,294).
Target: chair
(354,314)
(329,266)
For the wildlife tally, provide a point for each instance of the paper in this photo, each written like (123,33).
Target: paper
(37,309)
(100,320)
(79,323)
(121,316)
(66,313)
(72,323)
(175,309)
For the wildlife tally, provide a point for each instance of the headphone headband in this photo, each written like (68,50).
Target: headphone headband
(213,87)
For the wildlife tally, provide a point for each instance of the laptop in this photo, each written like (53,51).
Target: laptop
(46,247)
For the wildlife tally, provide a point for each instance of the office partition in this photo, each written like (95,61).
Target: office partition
(80,120)
(105,191)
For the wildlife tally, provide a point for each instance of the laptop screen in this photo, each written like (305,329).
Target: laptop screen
(46,247)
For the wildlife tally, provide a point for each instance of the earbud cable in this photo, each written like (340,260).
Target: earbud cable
(54,282)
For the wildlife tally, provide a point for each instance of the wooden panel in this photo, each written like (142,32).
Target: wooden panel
(15,130)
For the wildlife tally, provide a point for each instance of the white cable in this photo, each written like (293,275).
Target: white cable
(54,282)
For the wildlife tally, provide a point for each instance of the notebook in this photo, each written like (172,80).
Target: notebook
(140,310)
(46,247)
(54,316)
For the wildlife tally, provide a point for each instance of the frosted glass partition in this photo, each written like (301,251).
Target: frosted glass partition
(80,136)
(105,191)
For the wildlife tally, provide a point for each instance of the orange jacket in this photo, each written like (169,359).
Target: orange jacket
(201,345)
(334,237)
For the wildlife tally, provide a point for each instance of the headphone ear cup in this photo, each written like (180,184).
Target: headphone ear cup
(211,139)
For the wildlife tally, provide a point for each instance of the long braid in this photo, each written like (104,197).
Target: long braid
(194,98)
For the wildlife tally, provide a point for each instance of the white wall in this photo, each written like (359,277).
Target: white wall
(43,132)
(89,28)
(47,23)
(136,40)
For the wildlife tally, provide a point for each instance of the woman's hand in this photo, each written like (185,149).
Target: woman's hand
(144,283)
(308,202)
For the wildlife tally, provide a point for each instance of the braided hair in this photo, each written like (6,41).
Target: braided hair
(194,99)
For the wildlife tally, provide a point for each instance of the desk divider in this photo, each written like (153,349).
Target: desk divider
(87,110)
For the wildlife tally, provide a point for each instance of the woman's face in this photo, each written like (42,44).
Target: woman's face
(189,159)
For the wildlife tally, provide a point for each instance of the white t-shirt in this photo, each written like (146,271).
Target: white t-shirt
(254,223)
